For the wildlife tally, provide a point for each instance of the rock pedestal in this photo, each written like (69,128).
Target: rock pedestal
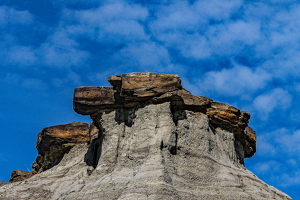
(150,139)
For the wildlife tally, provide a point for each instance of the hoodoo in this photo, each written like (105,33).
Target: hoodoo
(149,139)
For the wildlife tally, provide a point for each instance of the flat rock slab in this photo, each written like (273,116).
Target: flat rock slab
(145,85)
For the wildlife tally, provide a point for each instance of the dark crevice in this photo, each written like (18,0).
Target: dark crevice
(177,114)
(95,158)
(239,152)
(177,111)
(125,115)
(173,150)
(212,128)
(92,156)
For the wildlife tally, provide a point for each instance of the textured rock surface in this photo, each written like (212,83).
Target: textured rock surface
(160,154)
(168,146)
(19,175)
(53,142)
(131,90)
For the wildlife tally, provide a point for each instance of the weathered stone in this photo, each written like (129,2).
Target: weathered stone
(249,142)
(53,142)
(161,154)
(227,116)
(232,119)
(19,175)
(143,86)
(133,89)
(88,100)
(116,82)
(150,139)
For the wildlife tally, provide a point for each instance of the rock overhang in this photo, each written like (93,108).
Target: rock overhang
(154,142)
(132,89)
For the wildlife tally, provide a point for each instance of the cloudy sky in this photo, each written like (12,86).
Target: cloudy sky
(244,53)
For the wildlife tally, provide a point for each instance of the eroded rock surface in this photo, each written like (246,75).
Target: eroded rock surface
(19,175)
(134,89)
(155,143)
(53,143)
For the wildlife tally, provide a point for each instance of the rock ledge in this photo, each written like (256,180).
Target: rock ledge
(136,89)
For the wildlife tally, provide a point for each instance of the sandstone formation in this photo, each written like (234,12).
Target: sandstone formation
(52,144)
(150,139)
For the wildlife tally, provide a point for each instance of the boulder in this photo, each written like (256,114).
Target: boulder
(143,86)
(54,141)
(19,175)
(88,100)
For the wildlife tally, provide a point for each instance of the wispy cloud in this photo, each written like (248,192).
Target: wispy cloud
(112,23)
(237,81)
(61,51)
(10,16)
(276,99)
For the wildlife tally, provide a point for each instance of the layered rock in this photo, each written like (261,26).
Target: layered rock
(152,140)
(19,175)
(53,143)
(136,89)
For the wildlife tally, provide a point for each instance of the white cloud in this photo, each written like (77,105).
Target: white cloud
(195,46)
(237,81)
(10,16)
(111,23)
(70,78)
(33,83)
(13,78)
(268,166)
(284,65)
(185,16)
(13,54)
(218,9)
(231,38)
(265,146)
(75,2)
(187,27)
(11,51)
(144,56)
(278,172)
(177,16)
(275,99)
(290,179)
(289,142)
(286,25)
(61,51)
(21,55)
(282,145)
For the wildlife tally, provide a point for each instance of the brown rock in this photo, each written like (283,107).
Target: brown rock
(232,119)
(116,82)
(19,175)
(143,86)
(88,100)
(249,142)
(224,115)
(53,142)
(130,90)
(183,99)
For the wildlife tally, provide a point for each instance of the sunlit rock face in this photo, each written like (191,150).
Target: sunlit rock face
(150,139)
(53,142)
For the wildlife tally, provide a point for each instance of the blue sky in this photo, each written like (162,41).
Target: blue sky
(244,53)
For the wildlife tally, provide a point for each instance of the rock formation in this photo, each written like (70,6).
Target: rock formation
(150,139)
